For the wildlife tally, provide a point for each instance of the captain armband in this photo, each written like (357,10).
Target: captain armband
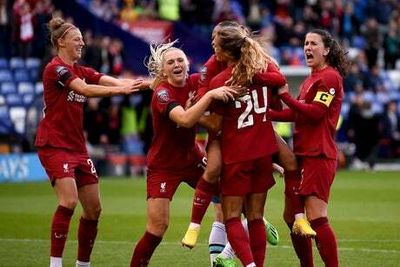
(324,98)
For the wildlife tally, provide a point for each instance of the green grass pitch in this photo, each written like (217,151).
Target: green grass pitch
(364,211)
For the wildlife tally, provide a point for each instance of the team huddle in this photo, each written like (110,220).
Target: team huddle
(237,95)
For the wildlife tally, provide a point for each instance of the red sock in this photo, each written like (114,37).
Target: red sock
(144,250)
(202,198)
(303,248)
(326,241)
(87,233)
(292,183)
(258,240)
(239,240)
(59,230)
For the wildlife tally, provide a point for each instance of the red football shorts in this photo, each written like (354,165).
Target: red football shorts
(253,176)
(317,176)
(161,184)
(61,163)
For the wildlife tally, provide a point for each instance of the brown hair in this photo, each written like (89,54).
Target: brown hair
(245,48)
(336,57)
(58,29)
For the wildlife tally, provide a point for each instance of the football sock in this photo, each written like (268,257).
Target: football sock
(87,233)
(82,264)
(144,250)
(326,241)
(228,252)
(202,198)
(59,230)
(55,262)
(217,240)
(258,240)
(292,183)
(239,240)
(303,247)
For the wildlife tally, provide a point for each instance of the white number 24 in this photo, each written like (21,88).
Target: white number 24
(252,103)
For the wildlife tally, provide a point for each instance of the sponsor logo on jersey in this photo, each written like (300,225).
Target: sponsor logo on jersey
(72,96)
(163,96)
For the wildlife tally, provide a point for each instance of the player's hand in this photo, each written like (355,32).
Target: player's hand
(224,93)
(278,169)
(283,89)
(191,100)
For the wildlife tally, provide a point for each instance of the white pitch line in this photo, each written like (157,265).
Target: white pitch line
(367,250)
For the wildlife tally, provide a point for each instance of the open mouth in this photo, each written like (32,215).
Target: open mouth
(309,56)
(177,71)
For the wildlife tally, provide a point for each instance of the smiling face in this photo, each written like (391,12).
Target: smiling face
(315,51)
(72,43)
(175,67)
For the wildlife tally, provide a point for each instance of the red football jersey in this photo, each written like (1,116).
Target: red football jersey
(207,72)
(247,132)
(62,123)
(173,148)
(324,87)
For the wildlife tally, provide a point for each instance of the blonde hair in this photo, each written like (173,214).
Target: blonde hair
(156,60)
(245,48)
(58,29)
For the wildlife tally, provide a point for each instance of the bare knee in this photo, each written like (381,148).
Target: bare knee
(92,213)
(69,202)
(157,228)
(212,173)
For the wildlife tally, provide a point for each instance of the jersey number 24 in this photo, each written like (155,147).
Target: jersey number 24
(252,103)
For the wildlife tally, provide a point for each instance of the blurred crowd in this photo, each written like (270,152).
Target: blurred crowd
(370,31)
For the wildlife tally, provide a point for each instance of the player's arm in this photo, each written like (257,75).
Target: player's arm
(93,90)
(271,77)
(141,84)
(286,115)
(314,111)
(188,118)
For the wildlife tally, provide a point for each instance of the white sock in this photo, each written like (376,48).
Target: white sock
(251,265)
(298,216)
(194,225)
(82,264)
(55,262)
(216,240)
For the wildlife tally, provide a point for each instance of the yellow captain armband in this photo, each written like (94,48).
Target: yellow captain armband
(324,98)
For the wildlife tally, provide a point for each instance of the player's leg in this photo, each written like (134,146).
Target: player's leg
(325,239)
(60,168)
(157,224)
(67,194)
(237,236)
(217,238)
(319,174)
(89,197)
(295,216)
(206,188)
